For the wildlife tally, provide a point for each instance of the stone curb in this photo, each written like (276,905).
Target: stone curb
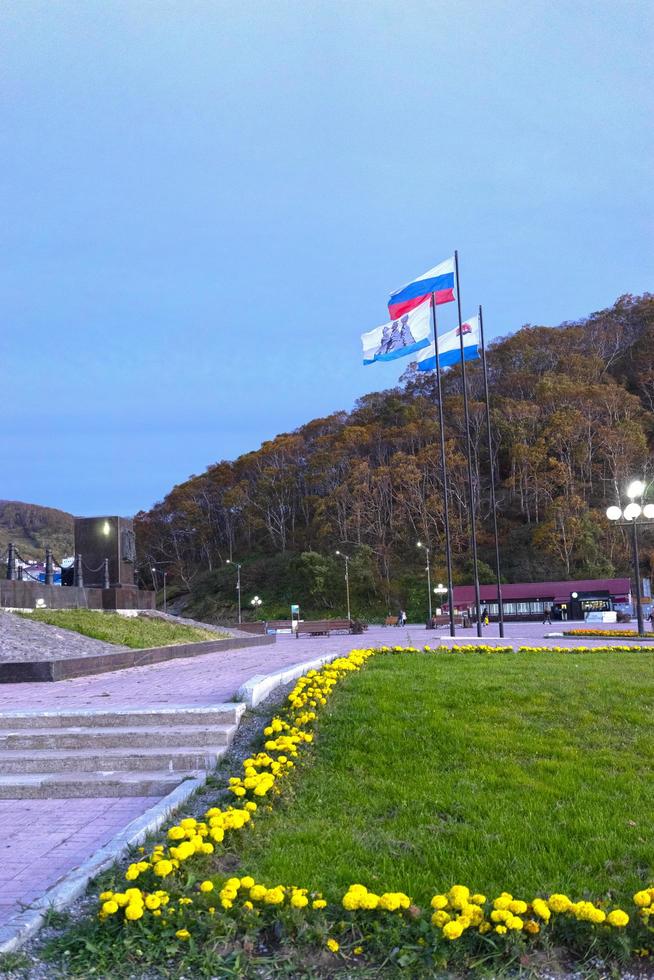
(25,924)
(261,685)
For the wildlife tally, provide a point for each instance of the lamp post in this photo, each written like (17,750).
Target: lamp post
(629,517)
(440,590)
(346,559)
(238,584)
(256,602)
(425,548)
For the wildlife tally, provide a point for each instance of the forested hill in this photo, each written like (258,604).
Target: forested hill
(33,528)
(573,420)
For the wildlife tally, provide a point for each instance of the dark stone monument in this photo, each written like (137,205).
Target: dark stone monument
(102,540)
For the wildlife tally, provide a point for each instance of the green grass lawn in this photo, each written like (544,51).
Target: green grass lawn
(138,632)
(531,773)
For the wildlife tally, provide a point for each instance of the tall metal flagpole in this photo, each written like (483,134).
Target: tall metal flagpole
(500,604)
(446,515)
(466,415)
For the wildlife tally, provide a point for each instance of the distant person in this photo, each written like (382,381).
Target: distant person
(651,618)
(547,617)
(484,616)
(402,619)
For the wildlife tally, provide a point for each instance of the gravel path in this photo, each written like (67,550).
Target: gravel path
(26,640)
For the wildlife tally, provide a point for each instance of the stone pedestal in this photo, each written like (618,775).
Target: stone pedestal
(112,538)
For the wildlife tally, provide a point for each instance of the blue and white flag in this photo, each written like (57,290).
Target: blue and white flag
(449,346)
(406,335)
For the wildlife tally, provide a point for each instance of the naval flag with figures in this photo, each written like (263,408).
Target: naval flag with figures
(438,282)
(449,346)
(405,335)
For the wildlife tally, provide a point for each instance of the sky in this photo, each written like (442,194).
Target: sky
(205,203)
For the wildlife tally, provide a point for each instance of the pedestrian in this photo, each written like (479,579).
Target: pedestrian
(484,616)
(651,618)
(547,618)
(402,617)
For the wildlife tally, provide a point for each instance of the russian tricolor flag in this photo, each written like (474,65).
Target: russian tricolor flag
(439,281)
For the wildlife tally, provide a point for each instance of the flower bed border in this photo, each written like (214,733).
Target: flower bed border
(453,914)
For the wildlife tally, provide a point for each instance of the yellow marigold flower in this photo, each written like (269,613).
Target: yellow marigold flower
(186,901)
(188,823)
(299,901)
(532,927)
(110,907)
(478,899)
(518,907)
(332,945)
(176,833)
(617,918)
(156,912)
(439,902)
(458,896)
(515,923)
(500,930)
(132,873)
(251,806)
(318,903)
(641,899)
(206,886)
(358,950)
(503,901)
(559,903)
(440,917)
(369,901)
(163,868)
(541,909)
(274,896)
(105,896)
(133,912)
(247,882)
(152,902)
(452,930)
(258,893)
(183,934)
(484,928)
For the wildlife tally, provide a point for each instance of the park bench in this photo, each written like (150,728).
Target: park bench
(443,620)
(391,621)
(276,625)
(323,627)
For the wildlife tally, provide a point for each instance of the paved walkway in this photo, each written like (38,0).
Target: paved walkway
(51,837)
(45,839)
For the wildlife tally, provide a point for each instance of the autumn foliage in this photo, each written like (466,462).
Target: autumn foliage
(573,419)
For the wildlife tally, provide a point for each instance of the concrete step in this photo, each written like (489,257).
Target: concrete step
(110,737)
(221,714)
(173,759)
(38,786)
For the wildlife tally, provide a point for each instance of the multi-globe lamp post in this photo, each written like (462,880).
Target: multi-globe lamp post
(440,591)
(256,602)
(238,583)
(426,550)
(346,559)
(635,514)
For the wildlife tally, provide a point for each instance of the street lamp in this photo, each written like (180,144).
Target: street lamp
(238,584)
(629,517)
(424,546)
(346,559)
(440,591)
(256,602)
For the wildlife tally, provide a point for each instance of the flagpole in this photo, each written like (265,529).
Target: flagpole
(500,604)
(466,415)
(446,515)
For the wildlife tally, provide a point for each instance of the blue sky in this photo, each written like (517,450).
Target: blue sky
(205,203)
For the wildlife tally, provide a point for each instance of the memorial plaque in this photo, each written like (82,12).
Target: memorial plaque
(97,538)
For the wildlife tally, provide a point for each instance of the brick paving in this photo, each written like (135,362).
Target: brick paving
(51,837)
(45,839)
